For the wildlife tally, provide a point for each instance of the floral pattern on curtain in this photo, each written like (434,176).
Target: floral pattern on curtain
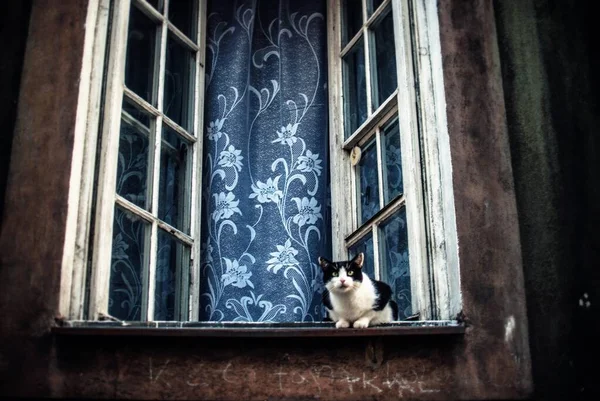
(265,188)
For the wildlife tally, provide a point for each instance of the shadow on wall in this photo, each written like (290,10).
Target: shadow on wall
(549,65)
(14,23)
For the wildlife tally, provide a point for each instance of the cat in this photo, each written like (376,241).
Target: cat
(352,299)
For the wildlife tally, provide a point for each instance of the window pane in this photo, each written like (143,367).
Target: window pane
(368,184)
(392,161)
(158,4)
(385,81)
(179,84)
(130,235)
(355,88)
(353,19)
(395,269)
(141,51)
(174,190)
(131,112)
(132,169)
(172,265)
(365,245)
(182,13)
(372,6)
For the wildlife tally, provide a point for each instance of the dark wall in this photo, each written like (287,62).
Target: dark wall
(14,21)
(550,65)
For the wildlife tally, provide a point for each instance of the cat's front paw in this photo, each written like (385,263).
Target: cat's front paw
(342,324)
(361,324)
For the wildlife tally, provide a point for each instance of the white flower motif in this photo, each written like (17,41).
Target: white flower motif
(309,162)
(394,156)
(236,275)
(285,256)
(231,158)
(120,248)
(308,211)
(214,129)
(225,206)
(400,265)
(267,192)
(287,135)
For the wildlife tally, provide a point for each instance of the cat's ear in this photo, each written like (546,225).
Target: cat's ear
(358,260)
(323,262)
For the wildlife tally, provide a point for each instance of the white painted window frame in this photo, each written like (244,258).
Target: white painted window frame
(431,213)
(426,162)
(98,68)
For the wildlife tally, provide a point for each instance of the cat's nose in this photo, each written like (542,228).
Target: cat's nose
(342,280)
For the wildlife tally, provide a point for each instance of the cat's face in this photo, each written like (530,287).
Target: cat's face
(342,276)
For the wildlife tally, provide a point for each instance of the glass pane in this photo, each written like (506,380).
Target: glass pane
(174,185)
(141,53)
(392,161)
(385,81)
(131,112)
(365,245)
(353,19)
(179,84)
(172,265)
(368,183)
(395,269)
(158,4)
(132,168)
(130,235)
(355,88)
(182,13)
(372,6)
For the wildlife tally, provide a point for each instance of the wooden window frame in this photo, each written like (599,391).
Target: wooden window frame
(431,216)
(102,93)
(426,163)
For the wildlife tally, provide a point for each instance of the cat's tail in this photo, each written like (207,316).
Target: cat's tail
(394,307)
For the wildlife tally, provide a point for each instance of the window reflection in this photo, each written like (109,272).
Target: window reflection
(141,50)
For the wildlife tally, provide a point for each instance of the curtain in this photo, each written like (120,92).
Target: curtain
(265,189)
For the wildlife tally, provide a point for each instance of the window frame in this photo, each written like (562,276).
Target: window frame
(86,274)
(426,162)
(436,207)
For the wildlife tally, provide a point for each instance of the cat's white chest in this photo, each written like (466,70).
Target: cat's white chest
(354,305)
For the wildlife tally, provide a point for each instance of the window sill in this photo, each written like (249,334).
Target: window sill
(266,330)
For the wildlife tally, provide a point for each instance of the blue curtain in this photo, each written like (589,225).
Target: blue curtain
(265,186)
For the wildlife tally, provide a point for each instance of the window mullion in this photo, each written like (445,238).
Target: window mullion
(376,252)
(102,241)
(377,116)
(184,40)
(153,254)
(380,168)
(368,72)
(149,10)
(342,203)
(196,176)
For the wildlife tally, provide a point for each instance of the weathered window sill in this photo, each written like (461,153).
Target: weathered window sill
(206,329)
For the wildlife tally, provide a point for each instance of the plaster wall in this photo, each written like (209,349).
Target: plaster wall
(491,360)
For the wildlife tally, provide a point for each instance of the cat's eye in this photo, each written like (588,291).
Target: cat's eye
(334,274)
(350,272)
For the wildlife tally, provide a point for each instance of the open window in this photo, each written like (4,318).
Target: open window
(135,254)
(392,184)
(140,179)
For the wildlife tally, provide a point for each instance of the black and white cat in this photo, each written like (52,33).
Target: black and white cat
(352,299)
